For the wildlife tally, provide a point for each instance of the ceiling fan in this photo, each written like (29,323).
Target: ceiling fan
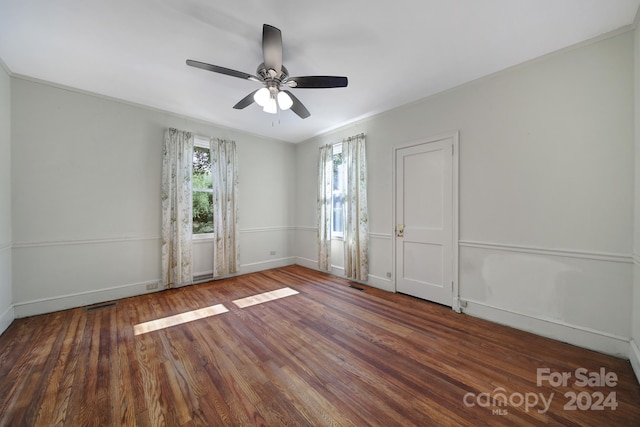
(274,76)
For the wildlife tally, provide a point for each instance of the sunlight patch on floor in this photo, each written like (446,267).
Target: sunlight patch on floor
(264,297)
(178,319)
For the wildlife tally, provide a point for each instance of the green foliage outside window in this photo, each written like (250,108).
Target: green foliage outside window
(202,191)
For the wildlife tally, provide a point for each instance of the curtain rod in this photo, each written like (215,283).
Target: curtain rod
(360,135)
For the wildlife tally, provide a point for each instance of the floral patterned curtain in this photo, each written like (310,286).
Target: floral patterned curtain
(224,171)
(356,226)
(324,206)
(177,163)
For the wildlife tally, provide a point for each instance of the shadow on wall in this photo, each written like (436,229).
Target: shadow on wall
(531,283)
(577,290)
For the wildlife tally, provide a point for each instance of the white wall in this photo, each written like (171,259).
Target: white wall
(546,191)
(634,354)
(86,197)
(6,287)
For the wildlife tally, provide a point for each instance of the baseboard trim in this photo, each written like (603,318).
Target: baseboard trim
(80,299)
(600,341)
(6,318)
(266,265)
(207,276)
(375,281)
(381,283)
(306,262)
(634,358)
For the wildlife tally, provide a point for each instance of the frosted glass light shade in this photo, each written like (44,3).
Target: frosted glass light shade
(262,96)
(284,100)
(270,106)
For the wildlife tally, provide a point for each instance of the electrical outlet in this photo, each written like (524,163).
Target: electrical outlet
(152,286)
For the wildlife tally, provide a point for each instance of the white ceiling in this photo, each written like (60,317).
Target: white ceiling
(393,52)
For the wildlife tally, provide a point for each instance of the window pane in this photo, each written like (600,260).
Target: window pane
(201,168)
(337,214)
(202,212)
(202,194)
(338,192)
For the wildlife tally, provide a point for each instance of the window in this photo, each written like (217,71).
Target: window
(339,188)
(202,188)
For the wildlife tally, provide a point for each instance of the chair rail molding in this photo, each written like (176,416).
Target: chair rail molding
(94,241)
(597,256)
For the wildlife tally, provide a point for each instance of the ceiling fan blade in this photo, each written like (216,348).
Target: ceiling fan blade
(246,101)
(297,106)
(222,70)
(317,82)
(272,48)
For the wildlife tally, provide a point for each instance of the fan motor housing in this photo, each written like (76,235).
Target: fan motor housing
(266,76)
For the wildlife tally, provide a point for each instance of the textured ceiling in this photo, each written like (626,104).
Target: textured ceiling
(392,52)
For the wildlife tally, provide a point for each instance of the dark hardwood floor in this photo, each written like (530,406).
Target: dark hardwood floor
(328,355)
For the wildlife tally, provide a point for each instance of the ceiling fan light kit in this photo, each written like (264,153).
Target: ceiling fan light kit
(271,107)
(262,96)
(267,100)
(273,75)
(284,101)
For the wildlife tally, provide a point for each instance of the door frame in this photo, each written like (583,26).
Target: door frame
(454,135)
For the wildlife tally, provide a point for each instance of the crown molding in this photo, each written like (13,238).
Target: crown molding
(6,68)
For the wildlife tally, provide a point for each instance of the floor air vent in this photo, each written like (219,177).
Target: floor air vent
(203,278)
(356,287)
(101,306)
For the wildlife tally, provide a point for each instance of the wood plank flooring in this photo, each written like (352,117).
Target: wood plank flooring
(328,355)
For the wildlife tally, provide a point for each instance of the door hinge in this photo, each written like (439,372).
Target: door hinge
(452,148)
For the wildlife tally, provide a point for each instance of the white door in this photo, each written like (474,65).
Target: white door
(425,219)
